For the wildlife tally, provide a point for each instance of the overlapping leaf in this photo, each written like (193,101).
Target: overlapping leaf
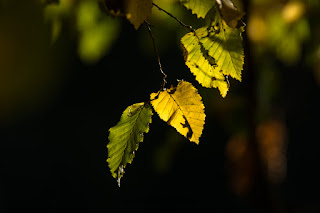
(199,7)
(202,65)
(214,52)
(182,108)
(124,138)
(230,13)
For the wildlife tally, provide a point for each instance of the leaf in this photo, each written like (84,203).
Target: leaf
(199,7)
(124,138)
(182,108)
(202,65)
(214,52)
(136,11)
(115,7)
(230,13)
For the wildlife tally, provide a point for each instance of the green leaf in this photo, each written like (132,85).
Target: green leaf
(199,7)
(214,52)
(124,138)
(224,44)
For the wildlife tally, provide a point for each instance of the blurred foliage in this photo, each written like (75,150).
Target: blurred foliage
(283,28)
(96,31)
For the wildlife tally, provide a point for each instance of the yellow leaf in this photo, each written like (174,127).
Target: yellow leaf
(182,108)
(213,53)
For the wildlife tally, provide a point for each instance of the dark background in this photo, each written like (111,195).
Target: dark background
(53,142)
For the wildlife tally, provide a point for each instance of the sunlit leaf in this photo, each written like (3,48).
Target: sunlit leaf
(214,52)
(224,44)
(201,65)
(182,108)
(199,7)
(124,138)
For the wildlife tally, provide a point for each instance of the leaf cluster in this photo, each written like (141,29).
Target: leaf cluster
(181,107)
(212,53)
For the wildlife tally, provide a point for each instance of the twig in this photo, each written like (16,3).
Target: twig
(175,18)
(164,76)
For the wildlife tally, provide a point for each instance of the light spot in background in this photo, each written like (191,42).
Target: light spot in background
(256,28)
(293,11)
(272,141)
(239,164)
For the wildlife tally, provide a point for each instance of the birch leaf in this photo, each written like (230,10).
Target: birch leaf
(137,11)
(214,52)
(124,138)
(199,7)
(202,65)
(182,108)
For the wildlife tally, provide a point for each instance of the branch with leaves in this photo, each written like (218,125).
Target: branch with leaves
(212,53)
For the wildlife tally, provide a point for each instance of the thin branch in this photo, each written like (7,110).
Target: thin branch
(175,18)
(164,76)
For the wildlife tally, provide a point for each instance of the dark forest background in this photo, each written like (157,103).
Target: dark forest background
(64,83)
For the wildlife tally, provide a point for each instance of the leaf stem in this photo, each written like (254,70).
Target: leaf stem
(164,76)
(189,27)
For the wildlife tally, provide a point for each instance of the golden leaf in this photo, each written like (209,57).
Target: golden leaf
(182,108)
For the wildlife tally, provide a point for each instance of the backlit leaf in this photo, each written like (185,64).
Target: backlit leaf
(202,65)
(214,52)
(182,108)
(199,7)
(124,138)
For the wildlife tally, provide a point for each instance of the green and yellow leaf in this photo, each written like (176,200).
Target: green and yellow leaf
(199,7)
(214,52)
(202,65)
(182,108)
(124,138)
